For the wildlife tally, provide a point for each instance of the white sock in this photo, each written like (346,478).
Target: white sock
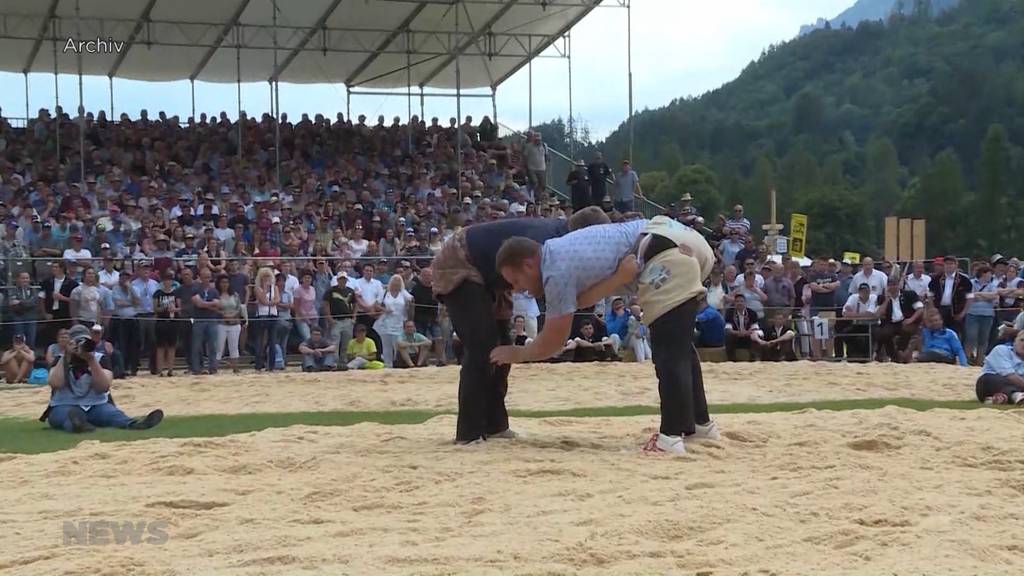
(1015,397)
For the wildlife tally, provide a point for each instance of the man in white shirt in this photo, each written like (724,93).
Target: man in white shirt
(77,256)
(369,297)
(749,267)
(875,279)
(291,281)
(109,275)
(858,313)
(918,281)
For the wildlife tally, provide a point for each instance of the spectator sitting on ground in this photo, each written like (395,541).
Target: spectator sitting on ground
(362,352)
(104,347)
(318,353)
(1009,330)
(587,348)
(1002,375)
(710,325)
(638,337)
(413,348)
(900,312)
(57,349)
(80,391)
(519,335)
(774,342)
(938,343)
(17,362)
(616,322)
(740,323)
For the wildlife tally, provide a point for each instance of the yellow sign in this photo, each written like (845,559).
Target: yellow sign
(851,257)
(797,235)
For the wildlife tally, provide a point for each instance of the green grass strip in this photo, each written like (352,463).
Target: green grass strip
(24,436)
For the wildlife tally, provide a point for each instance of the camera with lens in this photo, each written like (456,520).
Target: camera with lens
(84,345)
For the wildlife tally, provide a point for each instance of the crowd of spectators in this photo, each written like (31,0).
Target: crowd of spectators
(183,241)
(175,240)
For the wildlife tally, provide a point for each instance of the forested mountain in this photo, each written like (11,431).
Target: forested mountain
(878,10)
(919,116)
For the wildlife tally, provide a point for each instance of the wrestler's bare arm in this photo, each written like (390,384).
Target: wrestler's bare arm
(626,273)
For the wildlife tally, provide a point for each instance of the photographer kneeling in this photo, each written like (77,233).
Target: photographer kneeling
(80,391)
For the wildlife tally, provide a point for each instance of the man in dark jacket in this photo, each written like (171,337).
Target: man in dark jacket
(950,288)
(598,173)
(579,186)
(479,304)
(900,313)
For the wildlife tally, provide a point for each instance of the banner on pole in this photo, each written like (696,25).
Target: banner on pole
(797,235)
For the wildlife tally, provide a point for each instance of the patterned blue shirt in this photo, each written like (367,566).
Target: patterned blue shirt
(581,259)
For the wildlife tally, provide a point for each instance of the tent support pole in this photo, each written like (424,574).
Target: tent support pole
(56,92)
(458,96)
(629,66)
(81,101)
(572,120)
(238,86)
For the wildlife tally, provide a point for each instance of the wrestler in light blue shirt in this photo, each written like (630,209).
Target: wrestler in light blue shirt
(573,263)
(1003,361)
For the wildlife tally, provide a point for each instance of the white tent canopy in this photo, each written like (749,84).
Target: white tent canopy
(380,44)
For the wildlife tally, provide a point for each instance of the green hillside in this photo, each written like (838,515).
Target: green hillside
(920,116)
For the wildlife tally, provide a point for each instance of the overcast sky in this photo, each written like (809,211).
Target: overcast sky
(680,48)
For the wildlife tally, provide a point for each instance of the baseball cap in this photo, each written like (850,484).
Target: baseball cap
(105,245)
(864,286)
(433,230)
(97,328)
(78,331)
(467,200)
(275,220)
(357,207)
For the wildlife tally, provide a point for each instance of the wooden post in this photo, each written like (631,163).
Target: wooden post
(919,250)
(772,230)
(892,238)
(905,252)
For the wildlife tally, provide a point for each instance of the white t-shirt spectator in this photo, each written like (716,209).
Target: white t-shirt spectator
(854,303)
(758,280)
(536,156)
(109,279)
(524,305)
(395,313)
(1015,283)
(80,256)
(356,248)
(920,286)
(876,281)
(291,282)
(89,300)
(223,234)
(371,291)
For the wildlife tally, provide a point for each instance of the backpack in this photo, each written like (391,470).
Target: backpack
(38,376)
